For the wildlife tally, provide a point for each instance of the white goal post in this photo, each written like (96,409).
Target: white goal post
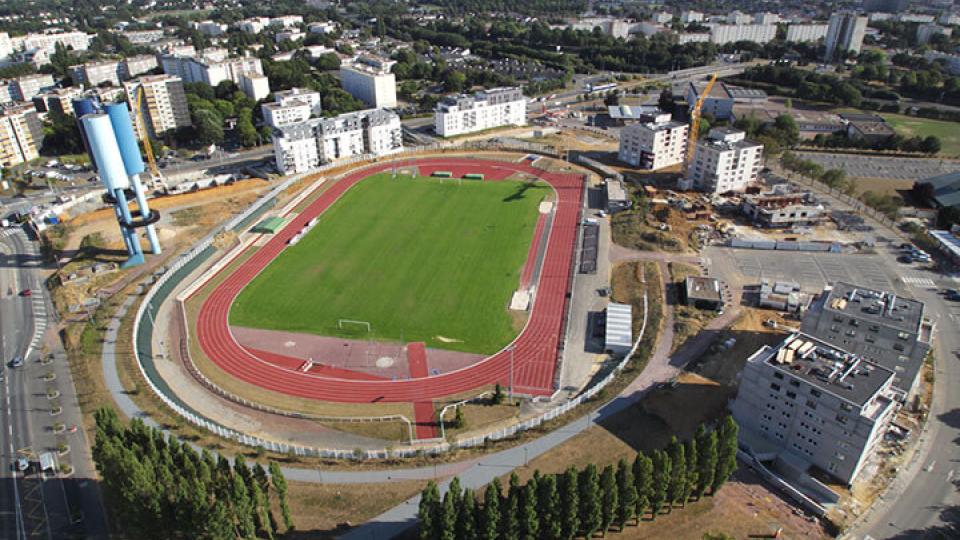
(343,323)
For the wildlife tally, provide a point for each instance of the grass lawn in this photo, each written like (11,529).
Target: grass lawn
(911,126)
(420,259)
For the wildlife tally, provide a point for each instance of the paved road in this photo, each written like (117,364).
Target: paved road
(36,505)
(892,168)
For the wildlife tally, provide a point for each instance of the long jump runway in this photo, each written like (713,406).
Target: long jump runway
(533,354)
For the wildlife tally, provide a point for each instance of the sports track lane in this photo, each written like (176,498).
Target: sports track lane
(533,353)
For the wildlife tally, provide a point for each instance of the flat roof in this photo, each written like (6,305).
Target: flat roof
(947,241)
(615,191)
(619,325)
(632,112)
(823,366)
(703,288)
(875,306)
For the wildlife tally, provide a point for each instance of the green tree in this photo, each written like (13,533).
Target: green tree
(207,127)
(627,494)
(678,475)
(447,522)
(488,524)
(930,145)
(726,452)
(569,504)
(529,518)
(243,509)
(428,512)
(280,486)
(510,511)
(662,473)
(706,460)
(466,516)
(454,81)
(690,453)
(590,503)
(548,507)
(609,498)
(643,480)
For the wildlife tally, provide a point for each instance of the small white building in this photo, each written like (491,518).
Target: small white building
(291,107)
(370,81)
(724,161)
(464,113)
(654,145)
(618,336)
(254,85)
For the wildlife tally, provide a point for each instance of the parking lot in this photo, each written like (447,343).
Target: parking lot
(892,168)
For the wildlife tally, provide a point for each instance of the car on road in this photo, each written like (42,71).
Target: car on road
(953,295)
(22,464)
(905,259)
(26,292)
(16,362)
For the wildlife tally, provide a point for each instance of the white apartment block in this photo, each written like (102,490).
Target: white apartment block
(732,33)
(307,145)
(288,35)
(142,37)
(291,107)
(925,32)
(464,113)
(211,69)
(97,73)
(370,81)
(725,161)
(286,21)
(845,34)
(21,134)
(254,85)
(138,65)
(24,88)
(799,33)
(654,145)
(6,92)
(662,17)
(163,104)
(688,17)
(808,404)
(328,27)
(739,18)
(692,37)
(766,18)
(253,25)
(210,28)
(6,46)
(77,41)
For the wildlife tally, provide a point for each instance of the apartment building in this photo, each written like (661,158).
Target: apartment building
(291,107)
(286,21)
(765,18)
(253,25)
(288,35)
(721,34)
(138,65)
(739,18)
(810,404)
(213,68)
(781,208)
(97,73)
(209,28)
(24,88)
(799,33)
(328,27)
(724,161)
(6,46)
(844,34)
(163,104)
(879,325)
(142,37)
(370,81)
(57,99)
(256,86)
(309,144)
(925,32)
(722,98)
(691,16)
(654,145)
(464,113)
(77,41)
(21,134)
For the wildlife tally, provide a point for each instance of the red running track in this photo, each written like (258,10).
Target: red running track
(423,409)
(533,354)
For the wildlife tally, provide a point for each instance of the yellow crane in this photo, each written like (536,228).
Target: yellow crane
(144,138)
(695,125)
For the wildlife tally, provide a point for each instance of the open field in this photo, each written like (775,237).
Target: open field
(911,126)
(419,259)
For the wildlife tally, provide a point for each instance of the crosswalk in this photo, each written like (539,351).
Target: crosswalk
(918,281)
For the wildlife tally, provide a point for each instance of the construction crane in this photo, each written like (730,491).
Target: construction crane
(695,125)
(144,138)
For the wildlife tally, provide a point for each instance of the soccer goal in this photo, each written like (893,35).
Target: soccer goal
(350,325)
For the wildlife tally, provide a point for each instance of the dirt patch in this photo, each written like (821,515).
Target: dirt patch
(750,332)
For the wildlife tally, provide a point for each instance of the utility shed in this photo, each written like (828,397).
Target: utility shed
(703,292)
(619,328)
(617,198)
(269,226)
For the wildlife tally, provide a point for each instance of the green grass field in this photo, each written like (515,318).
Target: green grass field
(911,126)
(417,258)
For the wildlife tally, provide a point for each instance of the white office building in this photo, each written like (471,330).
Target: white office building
(799,33)
(724,161)
(732,33)
(307,145)
(464,113)
(370,81)
(844,34)
(806,403)
(654,145)
(291,107)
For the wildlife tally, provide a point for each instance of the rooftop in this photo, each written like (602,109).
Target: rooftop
(703,288)
(875,306)
(615,191)
(632,112)
(948,241)
(847,376)
(619,325)
(946,188)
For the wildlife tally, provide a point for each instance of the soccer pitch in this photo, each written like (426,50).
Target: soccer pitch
(420,259)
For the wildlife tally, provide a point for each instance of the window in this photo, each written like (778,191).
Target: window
(778,375)
(811,404)
(903,335)
(842,419)
(846,407)
(795,383)
(775,386)
(791,395)
(814,392)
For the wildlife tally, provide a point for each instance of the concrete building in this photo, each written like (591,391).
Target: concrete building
(142,37)
(97,73)
(951,62)
(24,88)
(692,37)
(21,134)
(255,85)
(291,107)
(307,145)
(810,404)
(691,16)
(617,198)
(783,296)
(57,99)
(618,335)
(138,65)
(723,97)
(844,34)
(77,41)
(288,35)
(737,17)
(253,25)
(654,145)
(286,21)
(703,292)
(6,92)
(328,27)
(799,33)
(370,81)
(869,127)
(724,161)
(781,208)
(163,105)
(721,34)
(949,19)
(885,328)
(212,68)
(6,46)
(765,18)
(925,32)
(662,17)
(464,113)
(940,191)
(209,28)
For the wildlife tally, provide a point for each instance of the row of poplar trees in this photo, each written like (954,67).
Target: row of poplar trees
(582,503)
(158,487)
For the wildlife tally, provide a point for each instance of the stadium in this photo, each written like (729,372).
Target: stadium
(402,282)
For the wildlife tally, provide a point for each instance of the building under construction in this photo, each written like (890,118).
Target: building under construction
(781,208)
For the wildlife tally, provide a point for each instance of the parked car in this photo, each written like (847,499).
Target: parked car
(905,259)
(16,362)
(953,295)
(22,464)
(26,292)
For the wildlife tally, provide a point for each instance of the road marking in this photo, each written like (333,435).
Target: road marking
(918,281)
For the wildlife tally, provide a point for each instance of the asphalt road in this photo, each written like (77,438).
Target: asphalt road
(34,504)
